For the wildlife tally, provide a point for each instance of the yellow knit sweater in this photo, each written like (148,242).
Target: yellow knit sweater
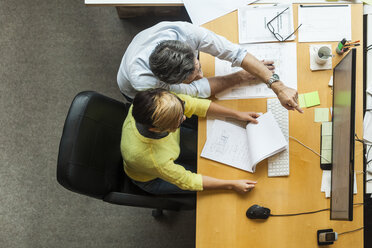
(146,159)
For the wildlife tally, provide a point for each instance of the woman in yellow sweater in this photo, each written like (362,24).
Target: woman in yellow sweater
(155,157)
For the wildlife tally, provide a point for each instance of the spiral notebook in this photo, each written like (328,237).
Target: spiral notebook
(244,148)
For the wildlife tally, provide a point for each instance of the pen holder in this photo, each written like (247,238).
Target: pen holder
(339,51)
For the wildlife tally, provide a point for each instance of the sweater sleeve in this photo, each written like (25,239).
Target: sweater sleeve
(179,176)
(195,106)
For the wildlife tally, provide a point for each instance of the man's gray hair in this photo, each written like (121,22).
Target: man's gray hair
(172,61)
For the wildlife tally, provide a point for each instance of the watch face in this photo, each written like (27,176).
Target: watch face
(275,76)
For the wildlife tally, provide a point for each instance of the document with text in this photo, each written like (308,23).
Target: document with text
(253,23)
(244,148)
(284,56)
(324,22)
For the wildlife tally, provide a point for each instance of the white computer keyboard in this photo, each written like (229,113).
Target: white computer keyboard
(278,165)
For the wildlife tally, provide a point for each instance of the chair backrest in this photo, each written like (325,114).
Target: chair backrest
(89,158)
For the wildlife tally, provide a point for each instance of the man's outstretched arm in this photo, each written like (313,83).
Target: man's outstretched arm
(220,83)
(287,96)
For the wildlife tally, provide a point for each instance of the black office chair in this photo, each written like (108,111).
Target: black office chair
(90,162)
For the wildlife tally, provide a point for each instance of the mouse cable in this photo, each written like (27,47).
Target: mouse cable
(309,148)
(360,228)
(311,212)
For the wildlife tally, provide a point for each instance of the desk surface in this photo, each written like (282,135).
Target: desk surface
(221,220)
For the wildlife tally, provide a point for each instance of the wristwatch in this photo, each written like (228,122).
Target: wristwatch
(272,79)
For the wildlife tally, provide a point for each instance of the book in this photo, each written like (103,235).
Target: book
(244,148)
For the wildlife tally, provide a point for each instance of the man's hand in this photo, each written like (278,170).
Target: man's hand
(248,116)
(248,77)
(288,97)
(243,186)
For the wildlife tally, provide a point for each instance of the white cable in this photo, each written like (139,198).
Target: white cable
(309,148)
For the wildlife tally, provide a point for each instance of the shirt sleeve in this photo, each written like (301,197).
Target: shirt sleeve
(178,175)
(206,41)
(195,106)
(142,79)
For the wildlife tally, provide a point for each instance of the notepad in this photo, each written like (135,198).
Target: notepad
(312,99)
(244,148)
(321,115)
(309,99)
(327,128)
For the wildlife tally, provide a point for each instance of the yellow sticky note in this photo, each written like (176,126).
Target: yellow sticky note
(301,100)
(321,115)
(326,128)
(326,156)
(312,99)
(327,142)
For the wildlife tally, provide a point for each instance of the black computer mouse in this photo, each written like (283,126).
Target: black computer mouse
(258,212)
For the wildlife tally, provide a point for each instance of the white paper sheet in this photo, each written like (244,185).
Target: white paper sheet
(326,183)
(228,144)
(253,21)
(369,172)
(367,125)
(284,56)
(203,11)
(238,147)
(324,22)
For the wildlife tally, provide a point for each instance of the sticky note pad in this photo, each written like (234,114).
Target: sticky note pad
(326,142)
(312,99)
(326,156)
(326,128)
(321,114)
(301,100)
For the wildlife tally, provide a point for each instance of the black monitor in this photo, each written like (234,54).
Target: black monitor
(343,133)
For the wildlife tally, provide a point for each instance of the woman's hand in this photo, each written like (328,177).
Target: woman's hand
(247,116)
(243,186)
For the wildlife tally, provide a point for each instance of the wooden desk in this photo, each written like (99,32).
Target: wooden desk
(221,220)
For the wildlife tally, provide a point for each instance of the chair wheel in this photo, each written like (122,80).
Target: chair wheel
(157,212)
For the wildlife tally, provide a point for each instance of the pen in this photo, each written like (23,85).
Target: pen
(352,45)
(352,42)
(331,5)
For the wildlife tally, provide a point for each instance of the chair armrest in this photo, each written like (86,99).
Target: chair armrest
(149,201)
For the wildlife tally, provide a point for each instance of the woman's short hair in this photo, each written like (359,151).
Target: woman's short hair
(158,108)
(172,61)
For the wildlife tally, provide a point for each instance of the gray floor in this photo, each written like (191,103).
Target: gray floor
(51,50)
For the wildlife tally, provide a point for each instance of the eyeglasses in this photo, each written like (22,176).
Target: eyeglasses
(276,34)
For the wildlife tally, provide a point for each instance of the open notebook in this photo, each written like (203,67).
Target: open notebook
(244,148)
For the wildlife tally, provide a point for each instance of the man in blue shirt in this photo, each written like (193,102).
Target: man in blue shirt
(165,56)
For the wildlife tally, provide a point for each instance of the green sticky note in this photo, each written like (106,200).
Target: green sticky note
(326,128)
(326,142)
(326,156)
(321,114)
(301,100)
(312,99)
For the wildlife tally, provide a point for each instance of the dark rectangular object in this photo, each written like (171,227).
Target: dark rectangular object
(343,138)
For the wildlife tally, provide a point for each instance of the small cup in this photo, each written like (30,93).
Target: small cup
(323,54)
